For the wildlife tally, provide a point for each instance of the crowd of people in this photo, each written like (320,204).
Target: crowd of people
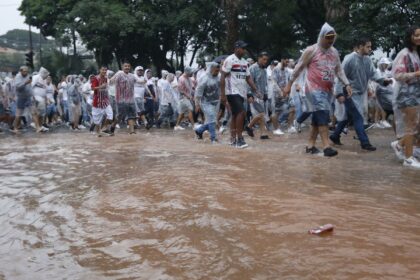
(269,96)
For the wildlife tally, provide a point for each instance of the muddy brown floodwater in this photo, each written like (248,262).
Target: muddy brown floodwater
(164,206)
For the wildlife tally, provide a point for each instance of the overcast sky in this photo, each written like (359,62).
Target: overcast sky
(10,17)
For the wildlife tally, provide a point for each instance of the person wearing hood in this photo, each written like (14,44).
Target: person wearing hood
(185,88)
(359,69)
(322,64)
(39,108)
(207,99)
(384,93)
(139,93)
(150,98)
(63,98)
(259,76)
(23,83)
(126,106)
(406,72)
(51,116)
(166,101)
(74,93)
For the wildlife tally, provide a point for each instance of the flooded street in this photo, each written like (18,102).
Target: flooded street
(165,206)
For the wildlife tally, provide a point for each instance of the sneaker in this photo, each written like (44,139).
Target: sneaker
(241,143)
(312,150)
(222,129)
(346,130)
(33,125)
(107,132)
(44,129)
(199,135)
(368,147)
(250,131)
(233,142)
(214,142)
(178,128)
(330,152)
(386,124)
(378,125)
(369,126)
(45,125)
(197,126)
(292,130)
(398,150)
(82,126)
(278,132)
(412,162)
(336,141)
(264,137)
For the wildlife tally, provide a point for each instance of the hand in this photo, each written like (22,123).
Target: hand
(341,99)
(287,89)
(349,91)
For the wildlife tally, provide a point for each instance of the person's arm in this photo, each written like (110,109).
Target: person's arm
(199,92)
(341,76)
(302,64)
(251,84)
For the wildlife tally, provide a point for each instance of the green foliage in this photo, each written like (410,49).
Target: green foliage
(159,32)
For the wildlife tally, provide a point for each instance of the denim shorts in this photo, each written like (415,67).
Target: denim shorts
(320,118)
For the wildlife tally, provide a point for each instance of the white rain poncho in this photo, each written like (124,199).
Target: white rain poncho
(359,69)
(39,86)
(406,90)
(384,94)
(139,86)
(322,66)
(23,90)
(208,95)
(73,92)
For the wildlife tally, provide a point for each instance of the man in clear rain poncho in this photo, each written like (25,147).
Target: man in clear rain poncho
(166,100)
(384,93)
(24,95)
(359,69)
(207,99)
(322,64)
(39,106)
(259,76)
(126,106)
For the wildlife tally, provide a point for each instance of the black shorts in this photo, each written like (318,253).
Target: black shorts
(320,118)
(236,103)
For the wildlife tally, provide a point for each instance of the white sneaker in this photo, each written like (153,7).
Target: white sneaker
(292,130)
(412,162)
(82,126)
(398,150)
(278,132)
(178,128)
(222,129)
(378,125)
(33,125)
(44,129)
(197,126)
(117,126)
(385,124)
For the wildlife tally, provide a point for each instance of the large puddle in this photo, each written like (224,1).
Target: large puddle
(165,206)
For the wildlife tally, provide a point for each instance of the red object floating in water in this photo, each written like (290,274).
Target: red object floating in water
(322,229)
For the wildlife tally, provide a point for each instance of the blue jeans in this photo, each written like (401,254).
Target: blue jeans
(211,127)
(353,114)
(65,106)
(303,116)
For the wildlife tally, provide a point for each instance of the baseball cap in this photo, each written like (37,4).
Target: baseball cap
(240,44)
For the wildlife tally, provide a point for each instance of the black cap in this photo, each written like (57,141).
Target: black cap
(240,44)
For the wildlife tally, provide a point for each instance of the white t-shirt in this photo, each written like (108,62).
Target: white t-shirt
(63,88)
(39,88)
(237,70)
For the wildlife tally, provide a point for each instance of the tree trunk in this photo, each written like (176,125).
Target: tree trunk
(231,9)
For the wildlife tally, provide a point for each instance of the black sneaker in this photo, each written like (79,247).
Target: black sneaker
(199,135)
(368,147)
(330,152)
(108,132)
(336,141)
(241,143)
(312,150)
(250,131)
(264,137)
